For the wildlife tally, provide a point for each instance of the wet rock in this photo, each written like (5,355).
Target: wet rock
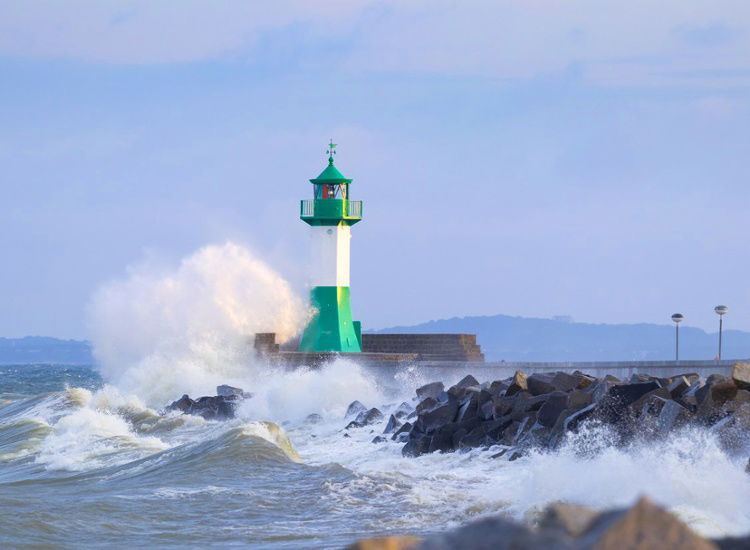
(379,439)
(313,418)
(365,418)
(723,391)
(231,392)
(386,543)
(467,382)
(355,407)
(426,404)
(539,384)
(732,543)
(517,384)
(417,444)
(556,403)
(615,404)
(404,409)
(496,533)
(434,390)
(469,408)
(645,526)
(572,422)
(496,387)
(741,375)
(567,519)
(442,413)
(183,404)
(672,415)
(678,386)
(393,425)
(209,407)
(402,433)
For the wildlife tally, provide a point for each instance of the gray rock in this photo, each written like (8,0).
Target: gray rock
(393,425)
(313,418)
(567,519)
(643,526)
(540,383)
(355,407)
(517,384)
(678,386)
(442,413)
(556,403)
(232,392)
(434,390)
(402,432)
(741,375)
(493,533)
(404,409)
(365,418)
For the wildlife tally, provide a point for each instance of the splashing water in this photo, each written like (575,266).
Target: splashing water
(160,333)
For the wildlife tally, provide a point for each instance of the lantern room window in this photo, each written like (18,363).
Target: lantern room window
(331,191)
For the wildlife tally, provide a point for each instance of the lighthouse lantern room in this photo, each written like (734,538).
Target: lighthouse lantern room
(330,215)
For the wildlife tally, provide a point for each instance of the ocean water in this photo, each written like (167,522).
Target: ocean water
(86,463)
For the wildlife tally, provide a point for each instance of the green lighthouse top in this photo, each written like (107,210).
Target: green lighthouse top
(331,174)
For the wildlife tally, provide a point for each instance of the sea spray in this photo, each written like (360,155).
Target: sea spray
(161,333)
(291,395)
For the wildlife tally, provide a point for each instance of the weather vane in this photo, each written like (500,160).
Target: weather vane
(331,150)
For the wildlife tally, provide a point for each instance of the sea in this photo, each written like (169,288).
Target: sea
(87,464)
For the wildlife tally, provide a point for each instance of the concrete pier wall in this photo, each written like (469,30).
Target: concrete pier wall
(395,375)
(398,370)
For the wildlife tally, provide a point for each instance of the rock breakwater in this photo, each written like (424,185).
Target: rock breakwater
(539,410)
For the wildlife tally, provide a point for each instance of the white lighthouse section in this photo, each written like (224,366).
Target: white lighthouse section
(330,248)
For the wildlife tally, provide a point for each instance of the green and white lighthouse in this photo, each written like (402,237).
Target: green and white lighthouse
(330,215)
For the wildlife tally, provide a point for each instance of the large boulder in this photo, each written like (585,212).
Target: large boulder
(494,533)
(540,383)
(643,526)
(230,392)
(386,543)
(741,375)
(355,407)
(567,519)
(517,383)
(555,404)
(434,390)
(365,418)
(443,413)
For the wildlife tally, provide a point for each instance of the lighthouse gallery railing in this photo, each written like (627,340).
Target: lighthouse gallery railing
(351,209)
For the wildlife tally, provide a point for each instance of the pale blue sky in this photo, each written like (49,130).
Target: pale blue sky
(533,158)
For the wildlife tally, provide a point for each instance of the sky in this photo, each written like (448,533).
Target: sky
(586,158)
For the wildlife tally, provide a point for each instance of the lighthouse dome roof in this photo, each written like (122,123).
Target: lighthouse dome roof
(330,175)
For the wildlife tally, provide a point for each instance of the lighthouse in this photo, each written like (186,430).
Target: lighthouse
(330,215)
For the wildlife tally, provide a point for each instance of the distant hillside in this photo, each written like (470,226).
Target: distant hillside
(40,349)
(527,339)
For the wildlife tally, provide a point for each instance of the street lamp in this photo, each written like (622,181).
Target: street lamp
(720,311)
(677,318)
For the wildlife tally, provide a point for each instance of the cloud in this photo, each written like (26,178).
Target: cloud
(144,31)
(615,43)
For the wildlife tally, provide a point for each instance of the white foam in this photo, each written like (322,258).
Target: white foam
(160,333)
(688,472)
(291,395)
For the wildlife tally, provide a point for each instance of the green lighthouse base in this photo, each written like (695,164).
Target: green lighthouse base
(332,328)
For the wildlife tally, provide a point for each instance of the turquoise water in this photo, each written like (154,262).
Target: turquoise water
(83,464)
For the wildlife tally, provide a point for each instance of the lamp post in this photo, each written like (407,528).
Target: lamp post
(677,318)
(720,311)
